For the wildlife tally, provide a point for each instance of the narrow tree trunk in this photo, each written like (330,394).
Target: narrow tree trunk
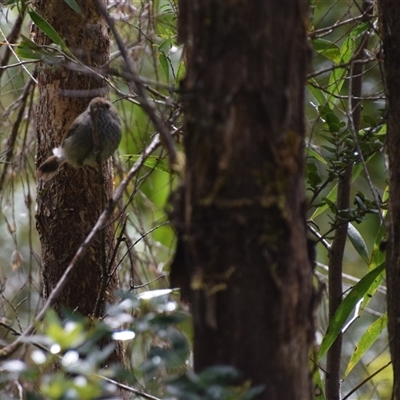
(390,30)
(70,203)
(240,215)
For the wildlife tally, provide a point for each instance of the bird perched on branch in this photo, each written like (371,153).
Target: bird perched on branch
(93,137)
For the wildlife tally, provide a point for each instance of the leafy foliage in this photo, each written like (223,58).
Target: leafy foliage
(153,326)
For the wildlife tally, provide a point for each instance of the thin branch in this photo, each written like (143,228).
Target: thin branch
(11,38)
(139,88)
(317,33)
(14,132)
(129,389)
(342,65)
(18,64)
(354,131)
(10,48)
(141,237)
(344,97)
(366,380)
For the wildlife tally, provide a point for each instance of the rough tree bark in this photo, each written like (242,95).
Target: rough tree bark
(390,32)
(69,204)
(241,258)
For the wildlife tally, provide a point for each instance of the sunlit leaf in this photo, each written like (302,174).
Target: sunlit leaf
(327,49)
(366,341)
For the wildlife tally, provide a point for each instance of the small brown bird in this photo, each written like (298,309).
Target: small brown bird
(78,144)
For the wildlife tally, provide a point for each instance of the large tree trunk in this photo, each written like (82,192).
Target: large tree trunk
(240,215)
(390,30)
(70,203)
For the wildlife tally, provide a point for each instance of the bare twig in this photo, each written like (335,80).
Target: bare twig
(317,33)
(139,88)
(342,65)
(129,389)
(366,380)
(11,50)
(13,135)
(11,38)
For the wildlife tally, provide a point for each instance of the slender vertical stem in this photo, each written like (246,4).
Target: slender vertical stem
(334,355)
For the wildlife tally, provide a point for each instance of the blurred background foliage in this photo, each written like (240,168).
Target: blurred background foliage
(154,326)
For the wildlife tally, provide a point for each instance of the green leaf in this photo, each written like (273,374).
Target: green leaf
(369,120)
(164,64)
(48,30)
(30,50)
(338,75)
(327,49)
(74,5)
(313,175)
(335,84)
(333,193)
(312,153)
(346,307)
(165,46)
(377,258)
(152,162)
(361,29)
(331,118)
(346,50)
(366,341)
(358,242)
(181,72)
(319,386)
(334,128)
(316,92)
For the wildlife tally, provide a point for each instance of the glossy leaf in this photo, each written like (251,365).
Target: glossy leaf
(358,242)
(346,307)
(366,341)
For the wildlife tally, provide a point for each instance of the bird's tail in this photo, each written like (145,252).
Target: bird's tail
(47,170)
